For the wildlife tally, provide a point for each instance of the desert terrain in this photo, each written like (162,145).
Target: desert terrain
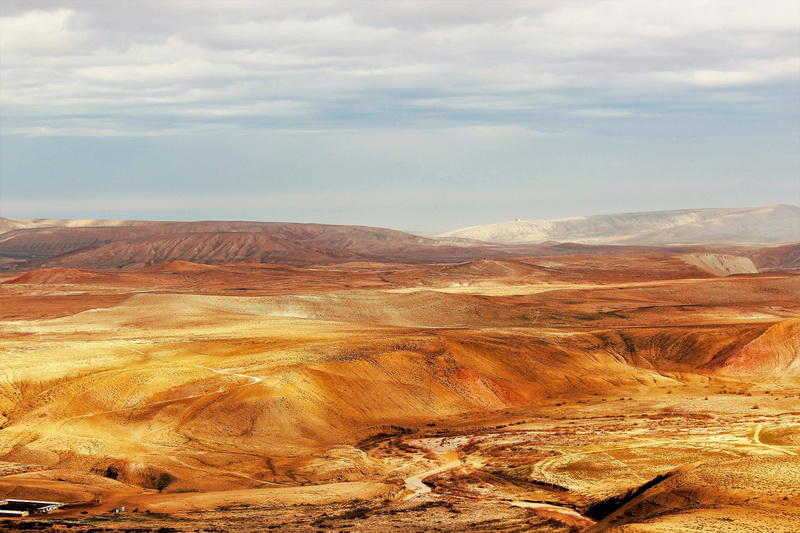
(765,224)
(632,390)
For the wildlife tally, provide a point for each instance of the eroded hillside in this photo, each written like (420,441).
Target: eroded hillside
(493,394)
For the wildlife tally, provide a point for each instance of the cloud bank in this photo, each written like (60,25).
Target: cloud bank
(539,109)
(145,68)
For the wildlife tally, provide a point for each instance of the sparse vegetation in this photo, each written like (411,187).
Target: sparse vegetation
(305,404)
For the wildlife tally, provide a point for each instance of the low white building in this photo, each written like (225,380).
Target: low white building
(12,507)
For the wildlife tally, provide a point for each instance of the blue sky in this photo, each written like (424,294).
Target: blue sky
(422,116)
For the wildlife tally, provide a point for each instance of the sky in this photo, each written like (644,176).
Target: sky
(422,116)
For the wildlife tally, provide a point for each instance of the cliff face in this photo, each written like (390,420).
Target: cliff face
(721,264)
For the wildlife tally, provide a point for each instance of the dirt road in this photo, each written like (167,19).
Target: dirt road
(757,440)
(416,485)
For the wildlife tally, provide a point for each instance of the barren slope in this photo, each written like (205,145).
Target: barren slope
(489,394)
(770,224)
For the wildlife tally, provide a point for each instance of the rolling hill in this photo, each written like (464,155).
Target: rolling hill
(27,244)
(146,243)
(757,225)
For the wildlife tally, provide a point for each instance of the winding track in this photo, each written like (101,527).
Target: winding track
(418,487)
(252,381)
(757,440)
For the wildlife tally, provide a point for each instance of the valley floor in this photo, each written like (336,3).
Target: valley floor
(623,393)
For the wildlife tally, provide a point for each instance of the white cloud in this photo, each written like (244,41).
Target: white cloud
(603,113)
(38,33)
(750,72)
(355,198)
(271,108)
(348,61)
(93,129)
(508,102)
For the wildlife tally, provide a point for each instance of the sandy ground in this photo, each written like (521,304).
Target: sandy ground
(493,397)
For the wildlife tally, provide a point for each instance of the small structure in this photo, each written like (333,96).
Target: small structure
(10,507)
(117,510)
(6,512)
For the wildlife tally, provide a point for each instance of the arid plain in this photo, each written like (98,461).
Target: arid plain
(636,391)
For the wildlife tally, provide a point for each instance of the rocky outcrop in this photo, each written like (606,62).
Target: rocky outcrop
(721,264)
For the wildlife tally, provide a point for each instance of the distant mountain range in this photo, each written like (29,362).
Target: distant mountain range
(27,244)
(753,225)
(126,244)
